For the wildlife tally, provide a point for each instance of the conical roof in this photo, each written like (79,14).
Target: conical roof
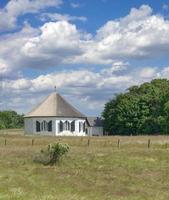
(55,106)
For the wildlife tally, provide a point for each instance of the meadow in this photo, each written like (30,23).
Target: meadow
(96,168)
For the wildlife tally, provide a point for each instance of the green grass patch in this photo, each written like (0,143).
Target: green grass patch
(101,171)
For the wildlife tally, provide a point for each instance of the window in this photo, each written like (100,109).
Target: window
(50,126)
(61,126)
(66,126)
(80,126)
(43,126)
(72,126)
(84,127)
(37,126)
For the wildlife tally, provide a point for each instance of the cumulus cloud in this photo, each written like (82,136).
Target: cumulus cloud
(141,34)
(57,43)
(11,57)
(86,79)
(15,8)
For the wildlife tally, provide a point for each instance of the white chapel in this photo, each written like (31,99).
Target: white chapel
(55,116)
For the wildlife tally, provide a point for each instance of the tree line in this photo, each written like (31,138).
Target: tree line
(10,119)
(141,109)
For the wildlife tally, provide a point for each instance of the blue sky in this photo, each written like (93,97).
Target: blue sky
(90,50)
(98,12)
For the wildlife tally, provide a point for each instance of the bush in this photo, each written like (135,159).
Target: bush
(52,154)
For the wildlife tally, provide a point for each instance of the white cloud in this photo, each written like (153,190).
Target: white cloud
(4,70)
(141,34)
(148,72)
(15,8)
(86,85)
(75,5)
(140,14)
(89,88)
(164,73)
(11,57)
(57,43)
(116,67)
(61,17)
(138,35)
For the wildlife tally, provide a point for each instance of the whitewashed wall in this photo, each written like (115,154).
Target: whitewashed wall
(69,133)
(30,126)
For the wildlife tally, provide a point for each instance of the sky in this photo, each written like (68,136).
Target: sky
(89,50)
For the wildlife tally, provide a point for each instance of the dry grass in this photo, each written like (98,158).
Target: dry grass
(101,171)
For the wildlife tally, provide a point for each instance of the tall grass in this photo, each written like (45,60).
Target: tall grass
(100,171)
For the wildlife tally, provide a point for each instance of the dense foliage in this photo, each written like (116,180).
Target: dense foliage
(142,109)
(10,119)
(52,154)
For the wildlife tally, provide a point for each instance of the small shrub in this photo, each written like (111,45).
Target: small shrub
(52,154)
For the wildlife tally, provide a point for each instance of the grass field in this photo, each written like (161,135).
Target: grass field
(99,171)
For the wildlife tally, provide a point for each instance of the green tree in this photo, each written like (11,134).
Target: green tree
(10,119)
(141,109)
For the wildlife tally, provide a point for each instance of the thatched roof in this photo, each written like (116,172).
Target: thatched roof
(55,106)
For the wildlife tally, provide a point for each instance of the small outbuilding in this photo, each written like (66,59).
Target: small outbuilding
(94,126)
(55,116)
